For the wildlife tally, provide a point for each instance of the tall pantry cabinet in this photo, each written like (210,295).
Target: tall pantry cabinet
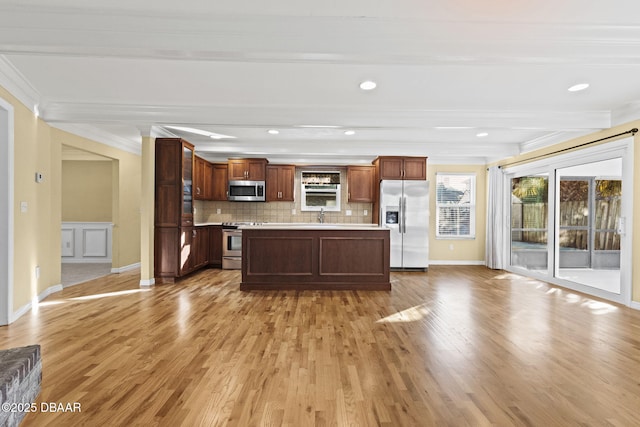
(175,235)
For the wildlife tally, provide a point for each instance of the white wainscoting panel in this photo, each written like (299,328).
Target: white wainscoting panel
(94,242)
(86,242)
(68,242)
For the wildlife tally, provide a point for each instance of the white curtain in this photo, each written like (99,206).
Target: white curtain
(494,251)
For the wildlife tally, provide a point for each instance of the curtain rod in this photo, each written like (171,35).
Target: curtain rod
(632,132)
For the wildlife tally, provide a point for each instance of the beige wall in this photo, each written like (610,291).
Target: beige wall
(465,251)
(38,148)
(126,190)
(36,231)
(86,191)
(636,182)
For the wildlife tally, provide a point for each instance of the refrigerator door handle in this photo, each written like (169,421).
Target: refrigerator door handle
(404,214)
(400,215)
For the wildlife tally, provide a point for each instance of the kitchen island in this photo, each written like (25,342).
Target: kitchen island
(315,256)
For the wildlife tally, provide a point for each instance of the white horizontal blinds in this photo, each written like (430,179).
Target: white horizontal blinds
(455,205)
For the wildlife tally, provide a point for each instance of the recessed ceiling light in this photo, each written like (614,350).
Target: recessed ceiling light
(273,131)
(578,87)
(481,134)
(349,132)
(368,85)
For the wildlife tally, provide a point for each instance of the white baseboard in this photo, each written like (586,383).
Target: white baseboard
(635,305)
(125,268)
(147,283)
(27,307)
(86,261)
(456,262)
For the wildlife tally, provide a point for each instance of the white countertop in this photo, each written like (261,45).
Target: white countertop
(311,226)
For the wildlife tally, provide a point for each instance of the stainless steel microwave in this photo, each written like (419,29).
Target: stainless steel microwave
(246,191)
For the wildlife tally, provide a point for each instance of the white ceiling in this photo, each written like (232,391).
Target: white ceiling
(446,70)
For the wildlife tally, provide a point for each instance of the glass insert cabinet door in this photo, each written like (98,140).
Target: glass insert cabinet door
(529,222)
(187,180)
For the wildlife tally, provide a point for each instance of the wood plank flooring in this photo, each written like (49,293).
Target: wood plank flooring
(457,346)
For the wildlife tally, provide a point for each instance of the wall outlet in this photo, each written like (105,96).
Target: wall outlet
(451,247)
(365,212)
(293,211)
(23,207)
(218,211)
(37,271)
(348,212)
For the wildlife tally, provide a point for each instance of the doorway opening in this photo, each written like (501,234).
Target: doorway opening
(87,215)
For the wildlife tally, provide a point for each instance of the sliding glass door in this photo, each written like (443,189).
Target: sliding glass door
(569,220)
(588,216)
(529,222)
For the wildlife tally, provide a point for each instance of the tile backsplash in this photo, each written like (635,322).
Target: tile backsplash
(207,211)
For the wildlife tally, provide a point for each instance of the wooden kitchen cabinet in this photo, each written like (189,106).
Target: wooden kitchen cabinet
(360,184)
(247,169)
(219,176)
(280,183)
(179,246)
(403,168)
(215,245)
(201,242)
(173,183)
(202,179)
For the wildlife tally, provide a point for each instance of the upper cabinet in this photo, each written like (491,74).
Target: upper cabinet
(360,182)
(280,183)
(393,167)
(247,169)
(219,173)
(202,179)
(174,183)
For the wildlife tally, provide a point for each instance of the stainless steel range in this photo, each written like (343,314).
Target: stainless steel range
(232,244)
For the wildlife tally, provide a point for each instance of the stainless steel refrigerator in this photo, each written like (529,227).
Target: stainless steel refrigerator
(404,208)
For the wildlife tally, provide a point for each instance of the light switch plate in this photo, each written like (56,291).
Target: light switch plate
(23,207)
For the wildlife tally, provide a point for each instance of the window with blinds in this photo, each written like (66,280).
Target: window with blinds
(455,205)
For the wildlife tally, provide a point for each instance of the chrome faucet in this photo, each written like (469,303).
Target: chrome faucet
(321,216)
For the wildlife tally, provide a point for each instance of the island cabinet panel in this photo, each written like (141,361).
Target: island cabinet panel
(260,252)
(316,258)
(336,256)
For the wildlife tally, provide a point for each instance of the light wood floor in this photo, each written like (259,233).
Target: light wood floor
(458,346)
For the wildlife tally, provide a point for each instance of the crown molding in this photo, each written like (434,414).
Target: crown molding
(17,84)
(555,138)
(98,135)
(356,116)
(625,114)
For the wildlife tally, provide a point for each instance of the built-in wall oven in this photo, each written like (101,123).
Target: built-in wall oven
(232,244)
